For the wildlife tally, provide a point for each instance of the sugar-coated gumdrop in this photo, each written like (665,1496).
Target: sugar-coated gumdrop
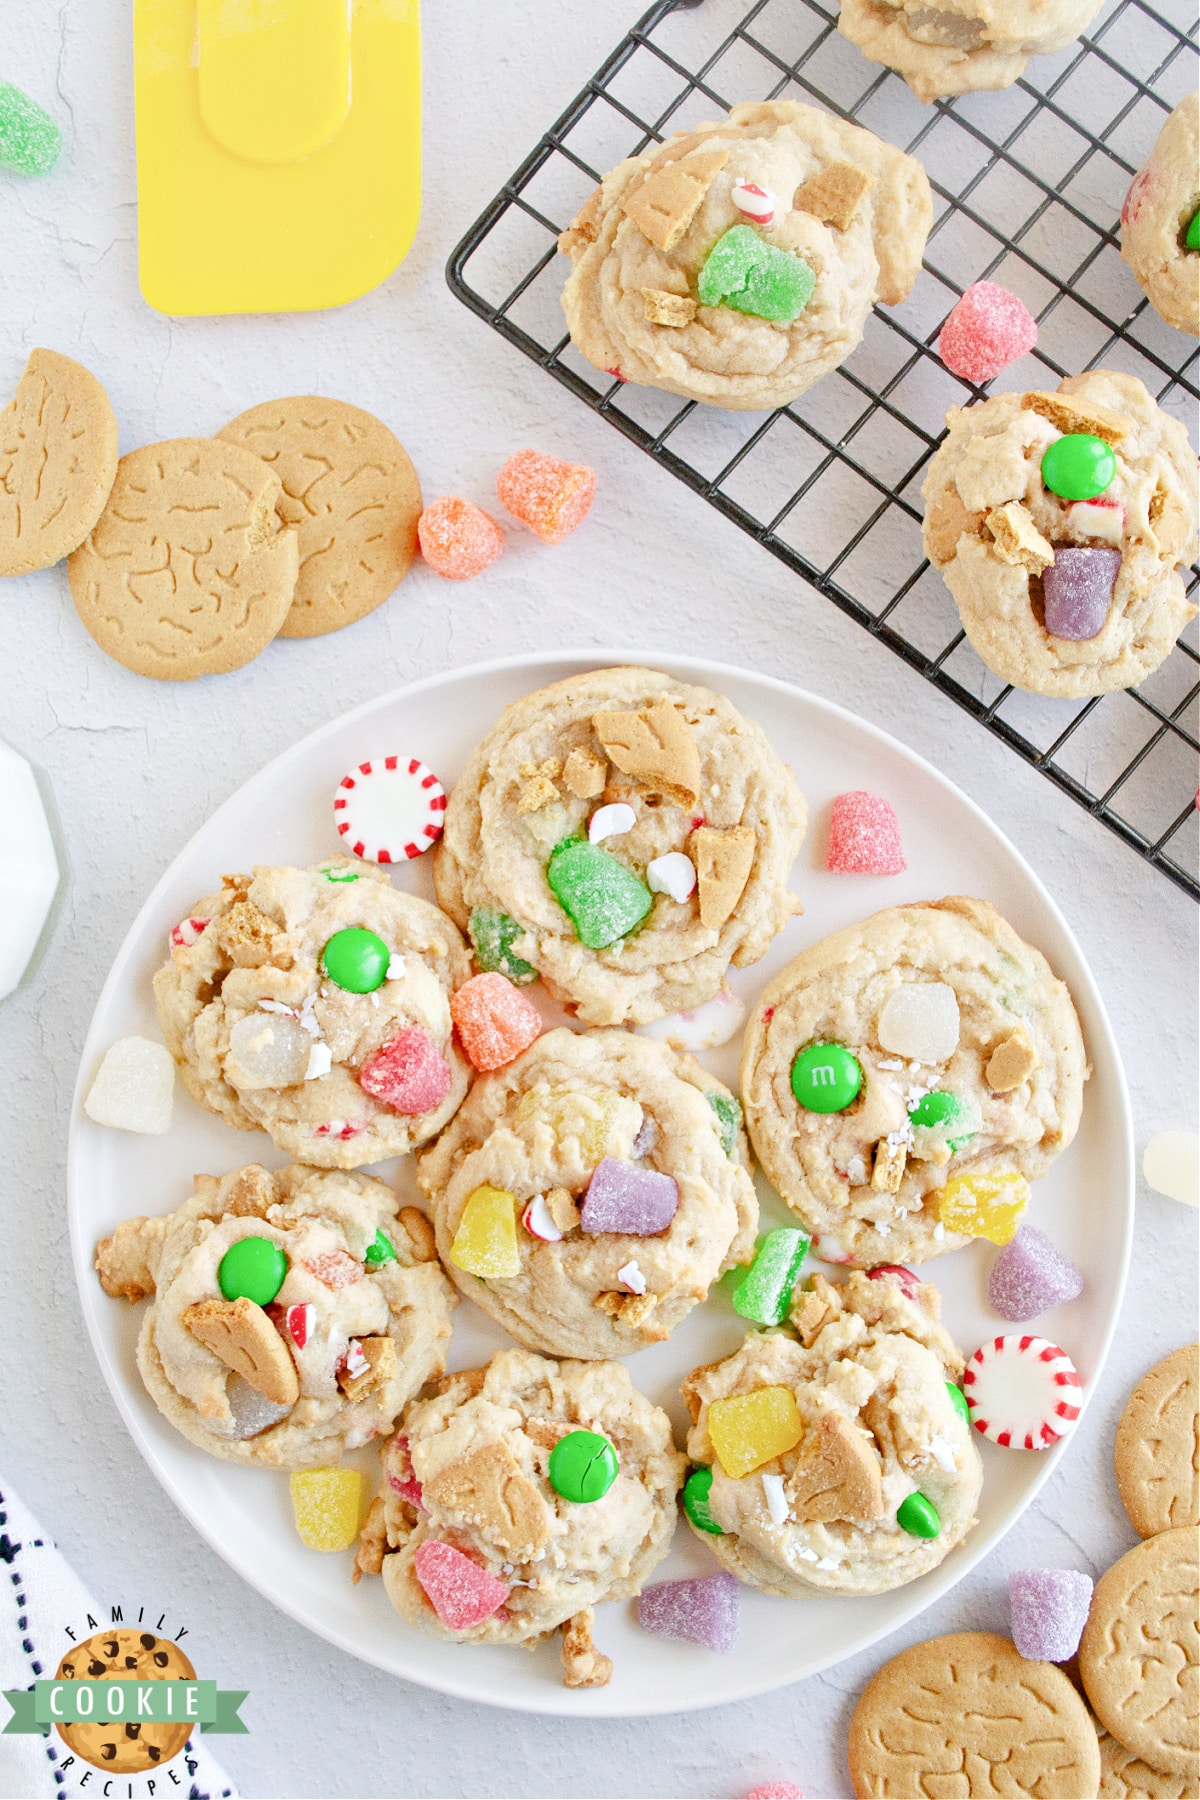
(253,1268)
(958,1401)
(460,1592)
(268,1050)
(864,836)
(1078,466)
(748,1430)
(29,139)
(919,1020)
(776,1790)
(494,1020)
(623,1198)
(749,274)
(409,1074)
(252,1411)
(986,1206)
(356,959)
(492,935)
(764,1293)
(696,1491)
(326,1503)
(485,1243)
(1171,1165)
(1077,591)
(134,1088)
(826,1078)
(588,1118)
(705,1612)
(987,330)
(1049,1610)
(379,1251)
(1191,239)
(602,898)
(457,538)
(551,497)
(729,1117)
(1024,1392)
(583,1466)
(917,1515)
(334,1269)
(1030,1275)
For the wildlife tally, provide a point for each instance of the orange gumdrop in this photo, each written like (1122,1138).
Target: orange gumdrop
(549,496)
(494,1020)
(457,538)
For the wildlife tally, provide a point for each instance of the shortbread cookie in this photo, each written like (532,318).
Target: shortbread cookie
(1124,1776)
(58,460)
(697,823)
(1060,596)
(125,1654)
(624,1192)
(826,220)
(1138,1656)
(1158,213)
(928,1043)
(480,1473)
(352,495)
(256,1009)
(293,1313)
(1156,1452)
(961,46)
(967,1715)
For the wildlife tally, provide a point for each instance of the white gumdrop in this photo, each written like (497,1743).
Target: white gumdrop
(673,874)
(268,1051)
(134,1087)
(1171,1165)
(611,821)
(28,867)
(920,1021)
(252,1411)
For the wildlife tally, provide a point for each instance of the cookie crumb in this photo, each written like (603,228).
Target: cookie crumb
(663,308)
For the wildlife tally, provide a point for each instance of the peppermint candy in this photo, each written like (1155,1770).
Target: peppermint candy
(390,809)
(1023,1392)
(186,933)
(754,202)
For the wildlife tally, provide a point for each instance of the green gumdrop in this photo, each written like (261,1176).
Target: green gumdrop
(826,1078)
(1078,466)
(729,1117)
(602,898)
(918,1516)
(29,139)
(357,960)
(696,1490)
(492,935)
(340,877)
(380,1251)
(764,1295)
(583,1466)
(252,1269)
(1192,239)
(959,1400)
(745,272)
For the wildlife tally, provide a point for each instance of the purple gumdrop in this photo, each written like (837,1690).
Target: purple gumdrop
(1077,591)
(701,1612)
(640,1202)
(1030,1275)
(1049,1611)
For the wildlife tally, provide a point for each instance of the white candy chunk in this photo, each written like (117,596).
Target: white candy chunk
(538,1223)
(356,1359)
(704,1027)
(611,821)
(134,1087)
(633,1278)
(920,1020)
(252,1411)
(1097,519)
(1171,1165)
(777,1504)
(269,1052)
(320,1061)
(28,867)
(673,874)
(396,967)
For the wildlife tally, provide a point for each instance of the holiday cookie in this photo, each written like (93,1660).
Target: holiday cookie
(1063,523)
(1124,1776)
(568,832)
(738,263)
(293,1314)
(123,1654)
(968,1715)
(315,1003)
(520,1496)
(58,460)
(906,1078)
(589,1194)
(1156,1452)
(961,46)
(190,569)
(351,494)
(1160,238)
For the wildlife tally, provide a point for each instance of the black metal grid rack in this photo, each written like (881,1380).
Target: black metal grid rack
(1024,194)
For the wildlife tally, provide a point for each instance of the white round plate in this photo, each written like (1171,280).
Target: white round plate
(284,815)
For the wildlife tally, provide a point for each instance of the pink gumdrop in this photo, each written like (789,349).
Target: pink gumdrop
(410,1074)
(620,1197)
(461,1593)
(549,496)
(1049,1610)
(908,1283)
(1077,591)
(700,1612)
(495,1021)
(864,836)
(401,1477)
(457,538)
(987,330)
(1030,1275)
(775,1790)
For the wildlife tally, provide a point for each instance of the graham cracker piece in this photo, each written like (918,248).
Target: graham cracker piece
(419,1232)
(946,520)
(463,1383)
(1011,1063)
(245,933)
(584,774)
(888,1170)
(723,861)
(815,1306)
(380,1353)
(562,1209)
(583,1664)
(834,194)
(372,1542)
(250,1192)
(488,1489)
(662,308)
(663,205)
(837,1473)
(122,1260)
(634,1310)
(242,1335)
(1070,414)
(539,791)
(656,747)
(1018,540)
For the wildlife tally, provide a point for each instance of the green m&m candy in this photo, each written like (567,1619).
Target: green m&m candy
(918,1515)
(1192,236)
(959,1400)
(696,1490)
(826,1078)
(583,1466)
(380,1251)
(356,959)
(252,1269)
(1078,466)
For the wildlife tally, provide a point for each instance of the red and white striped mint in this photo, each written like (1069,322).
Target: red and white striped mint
(754,202)
(1023,1392)
(389,809)
(186,933)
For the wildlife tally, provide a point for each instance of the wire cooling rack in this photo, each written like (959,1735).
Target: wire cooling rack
(1025,193)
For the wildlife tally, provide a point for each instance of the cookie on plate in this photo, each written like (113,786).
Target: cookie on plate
(906,1077)
(738,263)
(961,46)
(519,1497)
(58,460)
(293,1313)
(1158,219)
(315,1003)
(626,837)
(1156,1452)
(1063,523)
(588,1195)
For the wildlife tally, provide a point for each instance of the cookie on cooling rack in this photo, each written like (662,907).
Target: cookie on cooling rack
(960,46)
(1160,239)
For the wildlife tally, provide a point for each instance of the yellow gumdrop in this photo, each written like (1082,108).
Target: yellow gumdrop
(986,1206)
(327,1503)
(486,1240)
(750,1429)
(573,1113)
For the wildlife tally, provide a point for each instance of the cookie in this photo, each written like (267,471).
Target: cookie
(125,1655)
(343,1051)
(867,1368)
(579,1113)
(824,220)
(1124,1776)
(950,49)
(470,1469)
(1060,596)
(189,570)
(703,796)
(957,1053)
(350,1313)
(1138,1655)
(58,460)
(352,496)
(967,1715)
(1159,208)
(1156,1452)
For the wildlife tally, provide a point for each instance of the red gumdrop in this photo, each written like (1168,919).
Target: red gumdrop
(335,1268)
(461,1593)
(908,1283)
(775,1790)
(410,1074)
(457,538)
(864,836)
(495,1021)
(549,496)
(987,330)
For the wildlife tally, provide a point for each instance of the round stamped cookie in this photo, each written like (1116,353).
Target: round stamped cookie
(389,809)
(125,1655)
(1124,1776)
(1023,1392)
(1156,1452)
(967,1715)
(58,460)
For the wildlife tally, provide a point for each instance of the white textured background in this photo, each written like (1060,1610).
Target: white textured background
(136,767)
